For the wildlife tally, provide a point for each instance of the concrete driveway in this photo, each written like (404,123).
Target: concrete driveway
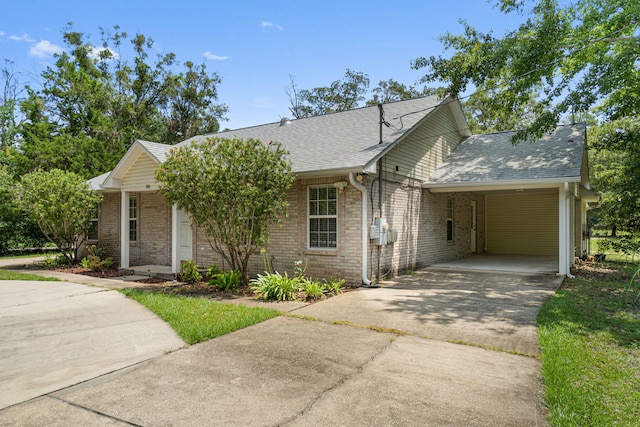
(330,367)
(57,334)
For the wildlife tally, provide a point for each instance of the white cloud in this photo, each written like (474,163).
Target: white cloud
(266,25)
(23,38)
(96,51)
(44,48)
(214,57)
(2,33)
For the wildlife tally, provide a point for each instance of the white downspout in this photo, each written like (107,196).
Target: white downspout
(365,243)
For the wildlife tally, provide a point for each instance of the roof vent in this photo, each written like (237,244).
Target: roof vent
(284,122)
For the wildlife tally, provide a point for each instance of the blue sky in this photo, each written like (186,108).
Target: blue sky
(255,45)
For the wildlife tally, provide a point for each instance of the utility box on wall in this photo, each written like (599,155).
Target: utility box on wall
(380,232)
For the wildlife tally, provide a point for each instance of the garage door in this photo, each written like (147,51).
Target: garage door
(522,224)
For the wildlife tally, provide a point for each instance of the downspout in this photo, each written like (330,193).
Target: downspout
(364,228)
(570,254)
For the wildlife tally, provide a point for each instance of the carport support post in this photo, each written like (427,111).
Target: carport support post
(124,230)
(564,230)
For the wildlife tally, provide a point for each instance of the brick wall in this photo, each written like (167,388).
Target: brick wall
(419,217)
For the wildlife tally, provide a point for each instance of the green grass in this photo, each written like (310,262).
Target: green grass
(15,275)
(590,338)
(199,319)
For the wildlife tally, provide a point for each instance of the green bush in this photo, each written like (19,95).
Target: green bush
(226,281)
(189,272)
(276,287)
(53,261)
(334,286)
(313,289)
(213,270)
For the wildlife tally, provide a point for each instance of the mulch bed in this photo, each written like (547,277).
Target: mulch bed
(106,273)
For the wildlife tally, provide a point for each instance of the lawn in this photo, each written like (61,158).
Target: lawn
(15,275)
(199,319)
(590,339)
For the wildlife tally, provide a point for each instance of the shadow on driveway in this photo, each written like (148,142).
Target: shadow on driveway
(496,310)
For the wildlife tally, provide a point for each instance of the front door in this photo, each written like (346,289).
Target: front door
(186,237)
(474,231)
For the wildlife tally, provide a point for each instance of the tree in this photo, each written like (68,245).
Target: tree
(8,106)
(392,91)
(340,95)
(233,189)
(570,58)
(62,204)
(615,168)
(94,103)
(191,104)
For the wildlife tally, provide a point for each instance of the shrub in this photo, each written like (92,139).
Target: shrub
(53,261)
(334,286)
(313,289)
(189,272)
(276,287)
(226,281)
(213,270)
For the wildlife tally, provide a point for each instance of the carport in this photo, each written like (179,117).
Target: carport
(535,197)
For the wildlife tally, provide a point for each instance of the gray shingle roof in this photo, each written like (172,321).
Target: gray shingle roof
(159,151)
(344,140)
(96,182)
(491,158)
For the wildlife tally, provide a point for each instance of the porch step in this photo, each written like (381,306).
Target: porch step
(137,271)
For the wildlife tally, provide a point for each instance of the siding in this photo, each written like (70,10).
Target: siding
(141,175)
(522,224)
(424,149)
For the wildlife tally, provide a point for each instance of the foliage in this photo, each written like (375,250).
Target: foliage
(200,319)
(313,289)
(52,261)
(276,287)
(213,270)
(16,229)
(631,283)
(226,281)
(392,91)
(615,162)
(570,58)
(62,204)
(628,245)
(95,259)
(16,275)
(333,286)
(589,333)
(93,103)
(233,189)
(189,272)
(340,95)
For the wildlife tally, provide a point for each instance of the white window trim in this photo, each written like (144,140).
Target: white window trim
(450,216)
(95,219)
(136,219)
(309,217)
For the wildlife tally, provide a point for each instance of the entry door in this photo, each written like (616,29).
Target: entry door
(186,237)
(474,245)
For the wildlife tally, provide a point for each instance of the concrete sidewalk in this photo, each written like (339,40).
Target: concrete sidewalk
(335,370)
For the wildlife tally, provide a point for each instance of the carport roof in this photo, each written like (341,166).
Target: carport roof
(491,159)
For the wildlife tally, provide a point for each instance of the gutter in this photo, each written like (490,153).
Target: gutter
(365,245)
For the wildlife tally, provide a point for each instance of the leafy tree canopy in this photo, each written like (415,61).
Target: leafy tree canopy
(233,189)
(340,95)
(93,103)
(615,169)
(62,204)
(570,58)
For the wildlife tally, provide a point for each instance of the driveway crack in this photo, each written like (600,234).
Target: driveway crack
(338,384)
(102,414)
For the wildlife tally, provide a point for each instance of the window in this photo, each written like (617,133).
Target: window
(133,219)
(323,217)
(449,218)
(92,232)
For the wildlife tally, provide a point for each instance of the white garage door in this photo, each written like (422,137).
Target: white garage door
(522,224)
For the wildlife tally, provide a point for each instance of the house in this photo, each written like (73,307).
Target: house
(378,190)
